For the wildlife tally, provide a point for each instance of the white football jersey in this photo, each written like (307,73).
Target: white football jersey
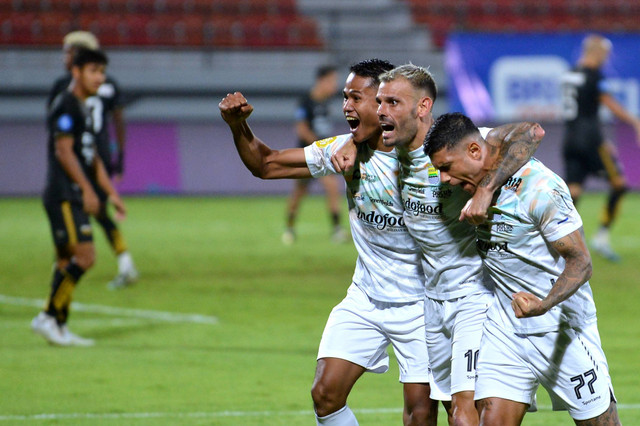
(388,268)
(450,259)
(533,209)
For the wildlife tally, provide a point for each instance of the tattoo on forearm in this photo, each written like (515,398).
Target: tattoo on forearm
(518,145)
(577,268)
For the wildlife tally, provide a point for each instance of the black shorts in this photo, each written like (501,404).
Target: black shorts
(69,224)
(585,153)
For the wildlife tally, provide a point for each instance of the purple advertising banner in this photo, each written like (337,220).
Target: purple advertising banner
(161,158)
(152,163)
(629,154)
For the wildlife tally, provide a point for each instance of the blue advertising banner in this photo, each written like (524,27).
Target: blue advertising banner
(499,78)
(507,77)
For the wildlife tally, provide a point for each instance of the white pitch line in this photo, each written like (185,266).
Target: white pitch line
(217,414)
(174,317)
(91,322)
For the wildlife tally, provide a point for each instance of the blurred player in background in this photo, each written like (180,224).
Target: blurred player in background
(542,328)
(104,106)
(586,151)
(384,304)
(74,171)
(312,124)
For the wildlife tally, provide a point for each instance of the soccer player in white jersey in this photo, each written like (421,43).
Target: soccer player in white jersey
(542,329)
(384,304)
(457,292)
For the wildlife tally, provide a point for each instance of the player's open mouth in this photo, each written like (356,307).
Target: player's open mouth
(353,122)
(387,128)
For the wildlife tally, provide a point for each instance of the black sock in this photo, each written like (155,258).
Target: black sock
(62,285)
(335,219)
(112,232)
(611,210)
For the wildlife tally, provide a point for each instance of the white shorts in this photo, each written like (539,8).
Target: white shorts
(360,329)
(453,333)
(569,364)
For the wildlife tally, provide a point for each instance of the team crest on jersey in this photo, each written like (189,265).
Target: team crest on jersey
(322,143)
(432,173)
(65,122)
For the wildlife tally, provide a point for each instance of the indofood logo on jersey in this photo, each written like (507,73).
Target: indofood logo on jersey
(418,207)
(381,221)
(527,87)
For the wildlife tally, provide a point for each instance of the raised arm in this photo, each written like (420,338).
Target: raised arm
(514,145)
(262,161)
(577,271)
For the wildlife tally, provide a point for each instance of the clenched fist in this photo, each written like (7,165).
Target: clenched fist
(234,108)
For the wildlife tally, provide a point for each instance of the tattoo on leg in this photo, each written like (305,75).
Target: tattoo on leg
(608,418)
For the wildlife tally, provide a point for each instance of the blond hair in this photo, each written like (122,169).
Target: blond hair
(418,76)
(81,39)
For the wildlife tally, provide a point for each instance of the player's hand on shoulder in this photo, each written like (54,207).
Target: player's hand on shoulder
(527,305)
(344,159)
(235,108)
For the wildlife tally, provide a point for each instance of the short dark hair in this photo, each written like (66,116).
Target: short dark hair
(447,131)
(84,56)
(325,70)
(371,68)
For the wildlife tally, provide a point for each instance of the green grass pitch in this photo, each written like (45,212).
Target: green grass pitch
(222,258)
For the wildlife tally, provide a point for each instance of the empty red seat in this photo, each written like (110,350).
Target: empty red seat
(223,23)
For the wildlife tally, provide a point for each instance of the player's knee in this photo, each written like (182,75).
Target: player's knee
(465,418)
(85,262)
(491,417)
(85,258)
(326,400)
(465,412)
(420,415)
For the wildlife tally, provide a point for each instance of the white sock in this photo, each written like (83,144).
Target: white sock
(125,262)
(342,417)
(603,235)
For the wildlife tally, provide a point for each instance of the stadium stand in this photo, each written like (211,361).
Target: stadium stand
(188,52)
(280,23)
(443,16)
(168,23)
